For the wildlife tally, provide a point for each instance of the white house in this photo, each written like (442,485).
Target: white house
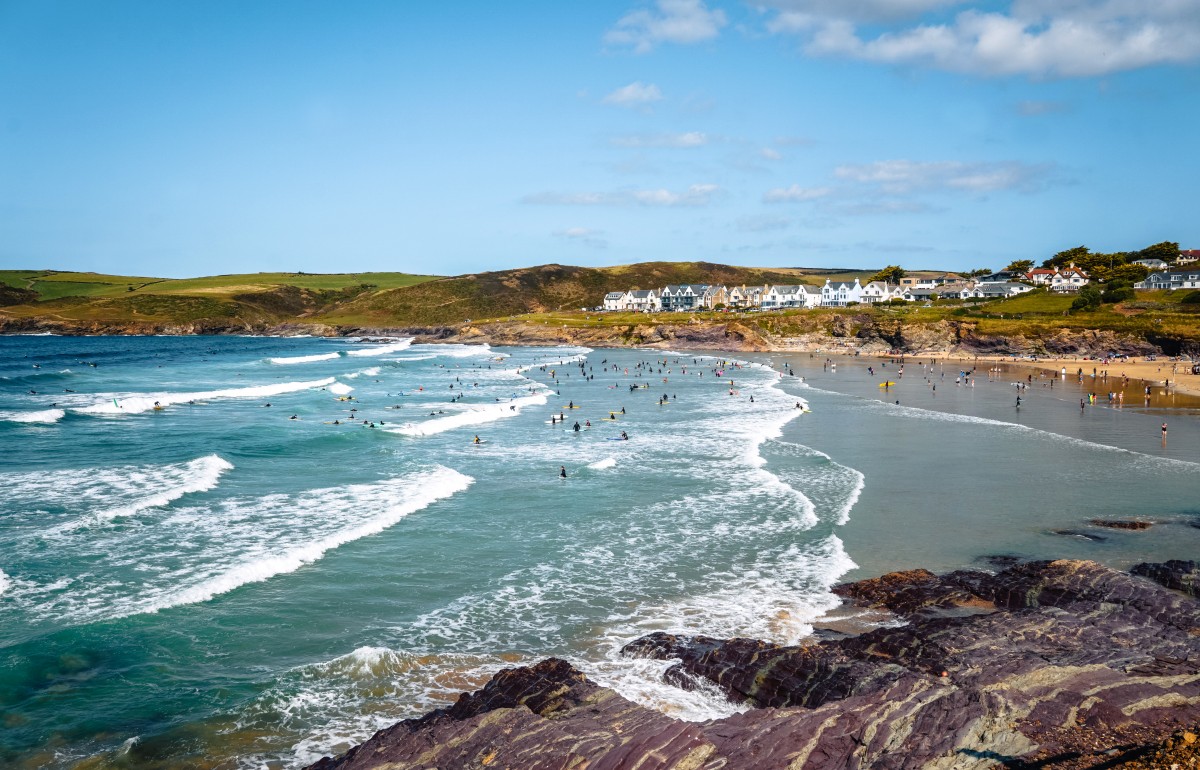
(616,300)
(812,296)
(841,294)
(879,291)
(783,295)
(643,301)
(1069,279)
(1152,264)
(1172,280)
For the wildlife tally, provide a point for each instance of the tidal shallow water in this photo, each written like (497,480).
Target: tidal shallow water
(211,583)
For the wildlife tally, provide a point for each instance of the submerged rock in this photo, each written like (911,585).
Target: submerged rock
(1064,664)
(1133,525)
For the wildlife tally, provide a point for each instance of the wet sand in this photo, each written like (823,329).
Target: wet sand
(1171,383)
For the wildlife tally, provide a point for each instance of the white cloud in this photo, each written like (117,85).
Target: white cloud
(770,154)
(687,139)
(635,94)
(794,194)
(673,21)
(695,195)
(1038,38)
(905,176)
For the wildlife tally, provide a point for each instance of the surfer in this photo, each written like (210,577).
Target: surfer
(562,471)
(476,440)
(587,423)
(576,428)
(625,436)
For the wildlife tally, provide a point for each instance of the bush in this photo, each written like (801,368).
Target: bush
(1191,298)
(1088,299)
(1117,294)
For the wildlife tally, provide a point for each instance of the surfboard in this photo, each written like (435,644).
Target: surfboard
(610,438)
(479,443)
(886,384)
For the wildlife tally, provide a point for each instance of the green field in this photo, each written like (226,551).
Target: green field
(52,284)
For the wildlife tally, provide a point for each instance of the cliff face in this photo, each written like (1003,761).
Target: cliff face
(863,333)
(1061,664)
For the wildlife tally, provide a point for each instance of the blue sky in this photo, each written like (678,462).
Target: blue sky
(190,138)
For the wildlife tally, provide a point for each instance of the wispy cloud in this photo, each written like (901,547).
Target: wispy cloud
(1037,38)
(770,153)
(671,21)
(584,235)
(695,195)
(687,139)
(906,176)
(795,194)
(636,94)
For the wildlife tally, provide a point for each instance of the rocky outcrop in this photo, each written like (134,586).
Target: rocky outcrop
(1059,664)
(1175,574)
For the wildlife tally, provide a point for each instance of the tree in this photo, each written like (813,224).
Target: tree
(889,274)
(1067,256)
(1117,291)
(981,271)
(1088,299)
(1167,251)
(1129,273)
(1019,266)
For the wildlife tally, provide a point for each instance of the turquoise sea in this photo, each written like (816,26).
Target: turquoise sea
(302,543)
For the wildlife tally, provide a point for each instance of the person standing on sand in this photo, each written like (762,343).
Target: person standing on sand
(1164,431)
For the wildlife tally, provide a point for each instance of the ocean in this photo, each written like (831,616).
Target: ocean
(252,552)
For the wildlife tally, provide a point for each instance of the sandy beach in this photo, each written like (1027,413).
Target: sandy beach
(1164,376)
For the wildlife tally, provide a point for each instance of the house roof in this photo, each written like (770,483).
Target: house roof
(613,295)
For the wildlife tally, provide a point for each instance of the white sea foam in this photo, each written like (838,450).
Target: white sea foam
(454,350)
(337,703)
(42,416)
(381,350)
(114,491)
(4,582)
(199,475)
(402,497)
(340,388)
(305,359)
(600,465)
(474,415)
(415,357)
(136,404)
(369,372)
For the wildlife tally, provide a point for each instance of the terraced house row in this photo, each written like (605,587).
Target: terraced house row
(698,296)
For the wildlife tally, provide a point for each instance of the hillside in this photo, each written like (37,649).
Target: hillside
(91,301)
(542,305)
(534,290)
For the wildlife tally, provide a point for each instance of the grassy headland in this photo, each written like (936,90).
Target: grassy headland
(544,303)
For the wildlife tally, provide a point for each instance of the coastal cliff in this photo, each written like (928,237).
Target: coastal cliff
(1053,664)
(861,332)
